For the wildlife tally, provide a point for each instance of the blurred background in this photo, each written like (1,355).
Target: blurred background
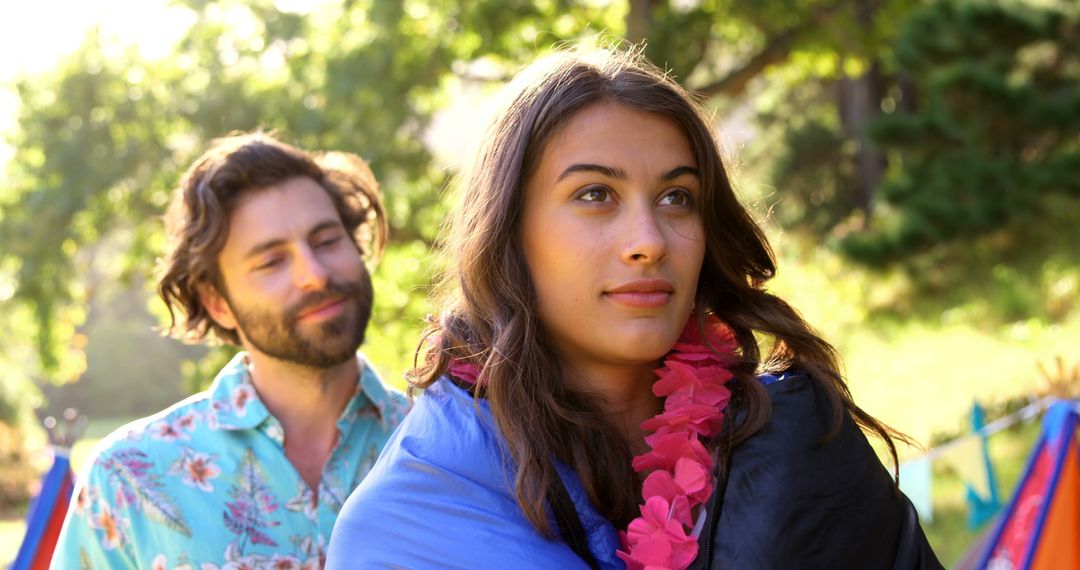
(916,163)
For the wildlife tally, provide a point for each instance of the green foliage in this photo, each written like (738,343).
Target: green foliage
(129,368)
(978,118)
(814,174)
(102,139)
(996,134)
(198,374)
(75,172)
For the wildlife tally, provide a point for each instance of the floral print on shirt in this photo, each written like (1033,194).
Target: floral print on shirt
(206,485)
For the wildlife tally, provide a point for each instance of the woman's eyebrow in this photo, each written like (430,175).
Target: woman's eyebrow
(608,171)
(679,171)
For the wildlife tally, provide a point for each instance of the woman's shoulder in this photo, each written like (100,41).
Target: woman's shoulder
(446,406)
(448,431)
(444,478)
(798,405)
(803,428)
(800,482)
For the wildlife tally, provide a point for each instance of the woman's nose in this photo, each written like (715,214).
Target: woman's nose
(645,240)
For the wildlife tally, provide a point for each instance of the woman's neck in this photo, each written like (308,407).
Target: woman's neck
(625,394)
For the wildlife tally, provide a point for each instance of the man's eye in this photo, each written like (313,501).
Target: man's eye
(328,242)
(595,194)
(268,264)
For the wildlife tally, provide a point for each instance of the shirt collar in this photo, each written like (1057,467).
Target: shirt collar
(236,405)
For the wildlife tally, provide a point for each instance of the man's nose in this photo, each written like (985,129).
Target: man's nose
(308,271)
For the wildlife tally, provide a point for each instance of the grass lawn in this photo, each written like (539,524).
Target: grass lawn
(11,533)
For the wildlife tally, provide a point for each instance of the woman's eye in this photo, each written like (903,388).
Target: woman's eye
(595,194)
(678,197)
(328,242)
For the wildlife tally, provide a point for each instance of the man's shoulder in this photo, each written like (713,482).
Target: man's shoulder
(156,434)
(392,403)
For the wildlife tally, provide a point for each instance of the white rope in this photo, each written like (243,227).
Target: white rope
(1023,414)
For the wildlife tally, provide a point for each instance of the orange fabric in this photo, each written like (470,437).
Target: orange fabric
(1059,543)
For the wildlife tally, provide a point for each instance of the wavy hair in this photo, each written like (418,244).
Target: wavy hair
(197,221)
(489,303)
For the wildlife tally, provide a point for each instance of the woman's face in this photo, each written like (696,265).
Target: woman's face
(613,237)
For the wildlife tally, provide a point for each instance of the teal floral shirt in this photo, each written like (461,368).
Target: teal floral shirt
(206,485)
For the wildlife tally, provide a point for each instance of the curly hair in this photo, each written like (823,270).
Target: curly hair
(197,221)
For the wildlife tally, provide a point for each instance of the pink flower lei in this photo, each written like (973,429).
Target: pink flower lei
(693,382)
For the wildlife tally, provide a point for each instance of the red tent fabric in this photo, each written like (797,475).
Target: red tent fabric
(1041,527)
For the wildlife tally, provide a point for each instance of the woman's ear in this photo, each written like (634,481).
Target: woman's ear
(215,304)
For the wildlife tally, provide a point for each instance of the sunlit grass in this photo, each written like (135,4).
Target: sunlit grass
(919,374)
(11,533)
(923,380)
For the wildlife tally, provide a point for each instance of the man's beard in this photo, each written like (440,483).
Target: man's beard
(319,345)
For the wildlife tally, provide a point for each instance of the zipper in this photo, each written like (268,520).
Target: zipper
(712,509)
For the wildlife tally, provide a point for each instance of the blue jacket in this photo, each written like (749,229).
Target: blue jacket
(441,496)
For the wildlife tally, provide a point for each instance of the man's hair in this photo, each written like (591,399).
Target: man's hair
(197,221)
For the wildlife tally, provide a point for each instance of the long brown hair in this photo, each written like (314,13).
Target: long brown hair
(489,303)
(197,221)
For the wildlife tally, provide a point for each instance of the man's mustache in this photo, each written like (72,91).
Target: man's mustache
(333,292)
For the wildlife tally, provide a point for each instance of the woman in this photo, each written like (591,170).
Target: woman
(594,392)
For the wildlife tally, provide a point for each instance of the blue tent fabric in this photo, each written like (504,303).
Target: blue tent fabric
(55,489)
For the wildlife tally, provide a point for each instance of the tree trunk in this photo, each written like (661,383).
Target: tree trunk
(909,95)
(860,103)
(639,20)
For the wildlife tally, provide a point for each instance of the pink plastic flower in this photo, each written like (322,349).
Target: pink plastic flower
(464,371)
(699,419)
(692,382)
(690,479)
(667,449)
(691,344)
(657,541)
(683,385)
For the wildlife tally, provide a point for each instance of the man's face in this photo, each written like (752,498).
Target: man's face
(295,285)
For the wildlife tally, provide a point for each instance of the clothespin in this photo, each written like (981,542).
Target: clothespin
(64,433)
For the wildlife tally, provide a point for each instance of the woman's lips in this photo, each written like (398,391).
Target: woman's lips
(642,293)
(641,299)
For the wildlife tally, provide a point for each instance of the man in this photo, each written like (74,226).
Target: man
(267,251)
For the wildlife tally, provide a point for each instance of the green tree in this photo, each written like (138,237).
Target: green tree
(840,85)
(994,143)
(102,138)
